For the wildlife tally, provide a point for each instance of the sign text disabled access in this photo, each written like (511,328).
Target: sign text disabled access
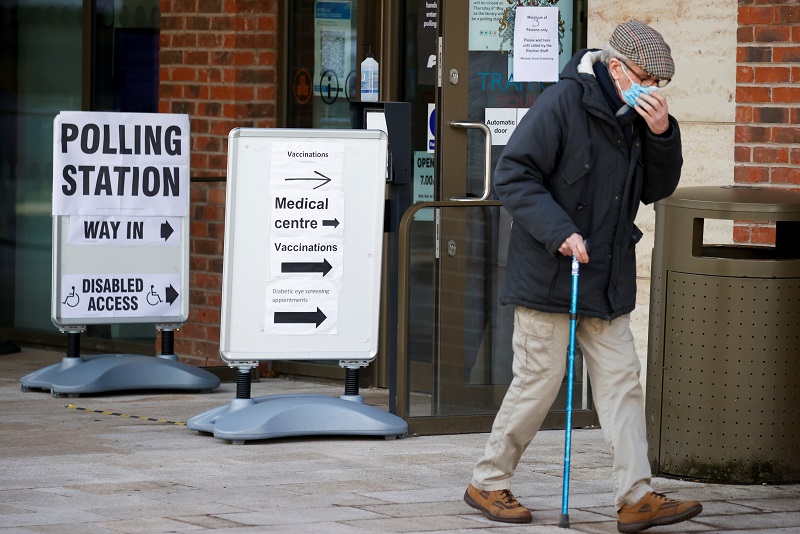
(120,295)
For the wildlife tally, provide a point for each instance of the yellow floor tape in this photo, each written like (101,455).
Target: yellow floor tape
(139,417)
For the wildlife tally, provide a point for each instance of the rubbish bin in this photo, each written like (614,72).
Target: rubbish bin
(723,366)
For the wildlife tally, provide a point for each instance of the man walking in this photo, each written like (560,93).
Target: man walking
(591,148)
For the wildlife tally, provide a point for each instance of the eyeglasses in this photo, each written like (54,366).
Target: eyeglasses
(645,82)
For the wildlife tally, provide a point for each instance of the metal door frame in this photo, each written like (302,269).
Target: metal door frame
(449,424)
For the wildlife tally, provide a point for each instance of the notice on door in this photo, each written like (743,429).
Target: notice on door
(502,122)
(536,44)
(333,69)
(484,24)
(423,184)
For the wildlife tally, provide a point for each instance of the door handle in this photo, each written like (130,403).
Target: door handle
(487,167)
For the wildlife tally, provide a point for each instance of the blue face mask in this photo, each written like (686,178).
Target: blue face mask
(635,90)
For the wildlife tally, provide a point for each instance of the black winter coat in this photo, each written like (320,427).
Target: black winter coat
(568,168)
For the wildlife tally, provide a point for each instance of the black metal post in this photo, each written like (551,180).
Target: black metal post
(243,383)
(167,342)
(351,381)
(73,344)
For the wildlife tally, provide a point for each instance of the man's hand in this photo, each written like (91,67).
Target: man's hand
(653,108)
(574,246)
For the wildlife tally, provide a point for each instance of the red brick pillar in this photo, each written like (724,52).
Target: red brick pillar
(767,143)
(218,64)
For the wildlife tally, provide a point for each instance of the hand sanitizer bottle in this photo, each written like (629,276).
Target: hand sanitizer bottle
(369,78)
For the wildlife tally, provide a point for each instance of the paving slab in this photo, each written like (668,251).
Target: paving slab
(124,463)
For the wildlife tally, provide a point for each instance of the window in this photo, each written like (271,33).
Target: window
(321,56)
(41,73)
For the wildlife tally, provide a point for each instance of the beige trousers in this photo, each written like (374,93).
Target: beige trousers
(541,341)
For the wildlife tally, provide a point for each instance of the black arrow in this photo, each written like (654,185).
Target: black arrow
(330,222)
(172,295)
(300,317)
(324,179)
(309,267)
(166,230)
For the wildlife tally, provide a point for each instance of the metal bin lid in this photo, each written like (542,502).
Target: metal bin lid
(736,198)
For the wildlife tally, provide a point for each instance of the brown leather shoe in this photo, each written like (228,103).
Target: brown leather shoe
(655,509)
(498,505)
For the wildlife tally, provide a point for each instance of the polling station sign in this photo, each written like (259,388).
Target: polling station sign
(122,164)
(120,218)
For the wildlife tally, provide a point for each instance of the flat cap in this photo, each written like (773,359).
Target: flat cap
(645,47)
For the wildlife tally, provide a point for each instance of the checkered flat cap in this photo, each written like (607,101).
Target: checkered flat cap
(645,47)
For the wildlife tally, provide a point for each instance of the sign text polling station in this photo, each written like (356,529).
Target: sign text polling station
(121,163)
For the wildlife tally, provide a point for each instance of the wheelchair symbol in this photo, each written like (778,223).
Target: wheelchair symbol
(73,299)
(153,298)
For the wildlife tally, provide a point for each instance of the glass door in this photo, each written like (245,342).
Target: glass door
(478,104)
(58,55)
(40,69)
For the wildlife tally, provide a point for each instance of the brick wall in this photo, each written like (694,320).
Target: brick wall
(767,139)
(219,65)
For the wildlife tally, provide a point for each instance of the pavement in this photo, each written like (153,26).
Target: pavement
(125,463)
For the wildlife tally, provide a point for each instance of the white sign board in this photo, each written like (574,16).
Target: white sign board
(120,218)
(303,244)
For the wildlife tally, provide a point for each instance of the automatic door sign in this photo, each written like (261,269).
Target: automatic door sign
(306,237)
(120,295)
(125,231)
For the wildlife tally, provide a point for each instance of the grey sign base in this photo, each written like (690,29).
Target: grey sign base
(118,372)
(278,416)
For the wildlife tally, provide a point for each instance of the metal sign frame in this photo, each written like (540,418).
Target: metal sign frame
(250,326)
(74,261)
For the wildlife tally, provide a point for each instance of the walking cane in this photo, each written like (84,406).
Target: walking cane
(573,321)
